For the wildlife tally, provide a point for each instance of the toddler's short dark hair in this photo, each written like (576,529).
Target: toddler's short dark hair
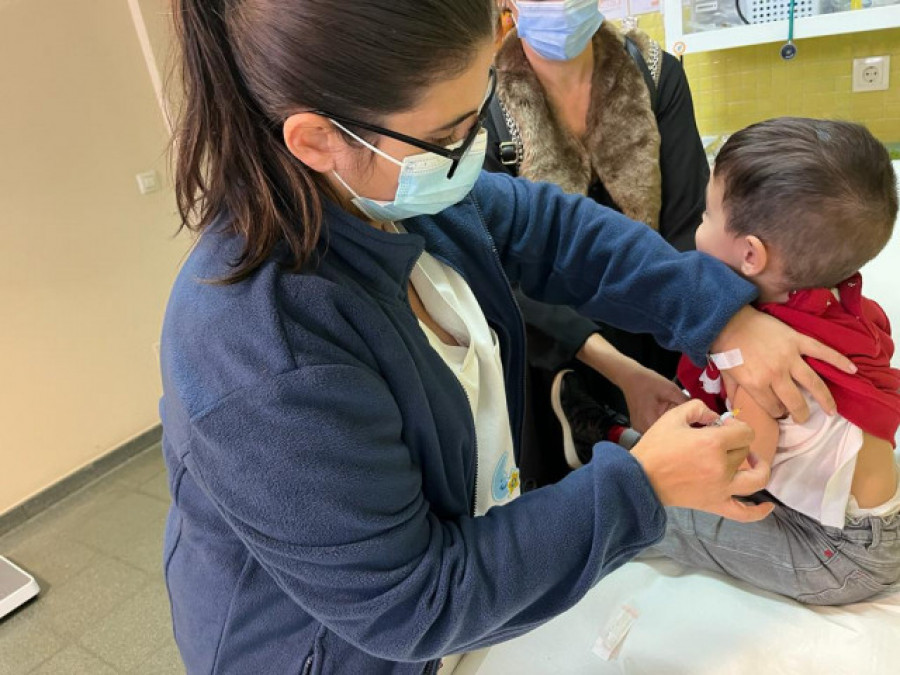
(821,193)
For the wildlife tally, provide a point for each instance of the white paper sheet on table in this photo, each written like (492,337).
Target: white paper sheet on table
(694,623)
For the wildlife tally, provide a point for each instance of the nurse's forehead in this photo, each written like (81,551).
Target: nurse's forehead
(449,102)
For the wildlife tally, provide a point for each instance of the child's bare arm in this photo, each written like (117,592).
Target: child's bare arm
(765,427)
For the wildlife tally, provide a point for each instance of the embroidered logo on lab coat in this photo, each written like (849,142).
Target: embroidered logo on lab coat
(505,483)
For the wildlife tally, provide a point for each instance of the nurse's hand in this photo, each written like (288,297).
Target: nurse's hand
(773,370)
(700,468)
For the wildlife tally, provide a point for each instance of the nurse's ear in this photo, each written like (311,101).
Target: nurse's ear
(755,257)
(314,140)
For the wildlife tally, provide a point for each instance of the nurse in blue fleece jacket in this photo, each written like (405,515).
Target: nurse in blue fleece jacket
(343,358)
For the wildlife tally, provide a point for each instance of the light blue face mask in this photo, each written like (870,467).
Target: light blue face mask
(558,31)
(423,187)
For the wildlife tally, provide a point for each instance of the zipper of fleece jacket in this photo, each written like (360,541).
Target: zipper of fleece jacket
(524,342)
(473,507)
(474,502)
(512,295)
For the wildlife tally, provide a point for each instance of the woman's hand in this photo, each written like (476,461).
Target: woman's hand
(699,468)
(649,396)
(773,370)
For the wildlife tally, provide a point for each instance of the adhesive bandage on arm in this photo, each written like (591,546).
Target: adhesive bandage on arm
(725,360)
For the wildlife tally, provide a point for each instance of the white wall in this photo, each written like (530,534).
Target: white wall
(87,261)
(881,282)
(881,279)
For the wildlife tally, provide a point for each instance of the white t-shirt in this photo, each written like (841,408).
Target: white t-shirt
(813,467)
(475,361)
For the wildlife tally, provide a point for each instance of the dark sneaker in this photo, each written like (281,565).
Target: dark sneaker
(585,421)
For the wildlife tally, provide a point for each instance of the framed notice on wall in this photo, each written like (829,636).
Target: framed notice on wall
(614,9)
(644,6)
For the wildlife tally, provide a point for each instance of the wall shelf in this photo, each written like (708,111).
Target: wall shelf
(678,42)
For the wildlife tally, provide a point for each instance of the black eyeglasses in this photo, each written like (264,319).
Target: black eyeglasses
(455,155)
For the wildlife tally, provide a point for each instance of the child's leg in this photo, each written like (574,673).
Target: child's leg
(789,553)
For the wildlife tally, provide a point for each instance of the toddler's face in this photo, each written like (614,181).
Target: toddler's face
(711,237)
(746,254)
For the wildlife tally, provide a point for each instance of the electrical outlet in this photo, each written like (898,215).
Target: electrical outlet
(872,73)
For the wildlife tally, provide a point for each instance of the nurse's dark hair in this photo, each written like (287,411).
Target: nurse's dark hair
(821,193)
(247,65)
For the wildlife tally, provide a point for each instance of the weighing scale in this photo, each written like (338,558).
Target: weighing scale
(16,587)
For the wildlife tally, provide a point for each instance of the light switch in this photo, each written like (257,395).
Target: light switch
(148,182)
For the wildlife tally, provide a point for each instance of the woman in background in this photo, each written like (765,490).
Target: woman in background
(608,116)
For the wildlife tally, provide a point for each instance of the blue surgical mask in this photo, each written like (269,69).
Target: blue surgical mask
(423,187)
(558,31)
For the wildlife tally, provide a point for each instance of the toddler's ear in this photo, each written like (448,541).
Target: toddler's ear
(755,256)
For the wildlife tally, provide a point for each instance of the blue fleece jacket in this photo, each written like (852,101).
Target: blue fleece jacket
(322,457)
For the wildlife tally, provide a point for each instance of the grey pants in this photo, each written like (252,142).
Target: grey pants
(789,553)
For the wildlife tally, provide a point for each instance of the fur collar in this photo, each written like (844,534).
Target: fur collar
(621,145)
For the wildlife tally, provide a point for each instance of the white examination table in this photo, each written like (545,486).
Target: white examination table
(697,623)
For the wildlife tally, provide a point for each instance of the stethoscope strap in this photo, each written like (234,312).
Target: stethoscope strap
(789,50)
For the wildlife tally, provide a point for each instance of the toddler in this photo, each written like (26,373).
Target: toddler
(798,206)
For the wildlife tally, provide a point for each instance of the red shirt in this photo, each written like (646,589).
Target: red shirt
(856,327)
